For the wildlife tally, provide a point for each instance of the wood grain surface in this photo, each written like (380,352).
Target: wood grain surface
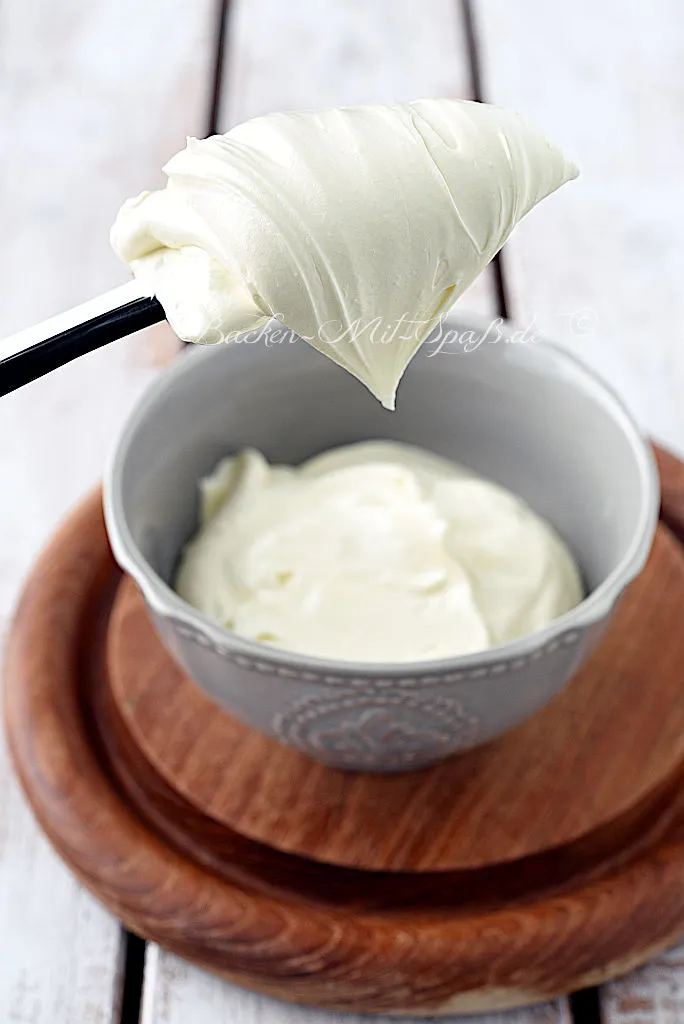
(177,992)
(598,755)
(446,943)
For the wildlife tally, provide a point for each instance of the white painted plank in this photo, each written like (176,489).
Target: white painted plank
(176,993)
(93,97)
(308,54)
(653,995)
(289,56)
(60,959)
(599,266)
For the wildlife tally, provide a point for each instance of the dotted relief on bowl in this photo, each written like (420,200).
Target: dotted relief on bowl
(376,730)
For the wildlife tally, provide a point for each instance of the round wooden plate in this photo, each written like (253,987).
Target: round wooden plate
(599,753)
(493,884)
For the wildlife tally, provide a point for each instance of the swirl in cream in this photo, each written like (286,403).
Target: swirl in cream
(358,227)
(376,552)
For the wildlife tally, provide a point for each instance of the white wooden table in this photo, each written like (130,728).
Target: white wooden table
(93,98)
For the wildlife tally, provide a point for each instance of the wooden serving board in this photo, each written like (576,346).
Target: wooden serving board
(599,753)
(544,862)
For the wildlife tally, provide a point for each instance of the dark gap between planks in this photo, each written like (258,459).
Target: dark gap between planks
(220,41)
(133,977)
(477,89)
(585,1006)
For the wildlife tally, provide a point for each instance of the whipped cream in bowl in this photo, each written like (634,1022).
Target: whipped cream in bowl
(377,552)
(524,420)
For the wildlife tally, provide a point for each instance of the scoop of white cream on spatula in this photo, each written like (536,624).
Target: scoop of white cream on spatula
(356,228)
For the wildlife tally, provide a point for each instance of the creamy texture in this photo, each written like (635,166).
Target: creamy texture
(373,552)
(357,228)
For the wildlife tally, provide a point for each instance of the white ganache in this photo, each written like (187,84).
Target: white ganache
(376,551)
(357,228)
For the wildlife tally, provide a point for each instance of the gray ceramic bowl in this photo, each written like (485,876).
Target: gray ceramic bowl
(526,415)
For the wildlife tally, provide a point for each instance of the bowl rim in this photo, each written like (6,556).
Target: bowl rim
(595,607)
